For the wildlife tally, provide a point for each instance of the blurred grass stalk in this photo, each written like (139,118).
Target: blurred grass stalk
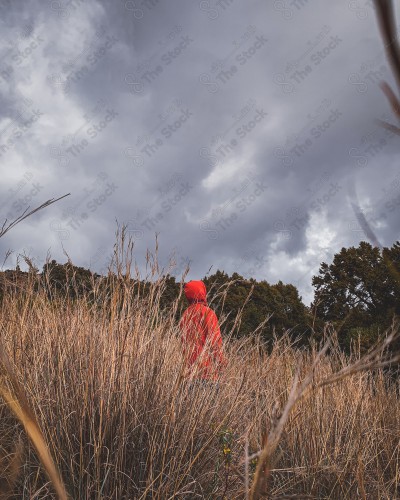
(24,415)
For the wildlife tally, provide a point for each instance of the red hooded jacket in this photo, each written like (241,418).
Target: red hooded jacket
(201,336)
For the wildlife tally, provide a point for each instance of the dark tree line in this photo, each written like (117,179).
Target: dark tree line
(358,293)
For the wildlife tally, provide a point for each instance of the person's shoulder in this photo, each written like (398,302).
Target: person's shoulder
(208,309)
(204,305)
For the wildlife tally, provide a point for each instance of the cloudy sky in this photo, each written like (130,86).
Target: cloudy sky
(231,128)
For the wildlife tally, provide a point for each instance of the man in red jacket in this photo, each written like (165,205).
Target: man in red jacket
(201,336)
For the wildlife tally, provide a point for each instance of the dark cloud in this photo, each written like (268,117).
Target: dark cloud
(230,129)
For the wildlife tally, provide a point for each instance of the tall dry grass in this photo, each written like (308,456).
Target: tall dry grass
(104,382)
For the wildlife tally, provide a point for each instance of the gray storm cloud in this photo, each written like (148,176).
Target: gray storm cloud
(229,128)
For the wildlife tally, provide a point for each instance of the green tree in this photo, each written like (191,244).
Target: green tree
(67,279)
(360,288)
(281,302)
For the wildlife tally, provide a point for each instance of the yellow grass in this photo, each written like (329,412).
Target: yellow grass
(105,387)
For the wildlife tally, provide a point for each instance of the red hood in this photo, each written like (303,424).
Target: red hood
(195,291)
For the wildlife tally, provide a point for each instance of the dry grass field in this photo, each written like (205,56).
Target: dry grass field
(103,380)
